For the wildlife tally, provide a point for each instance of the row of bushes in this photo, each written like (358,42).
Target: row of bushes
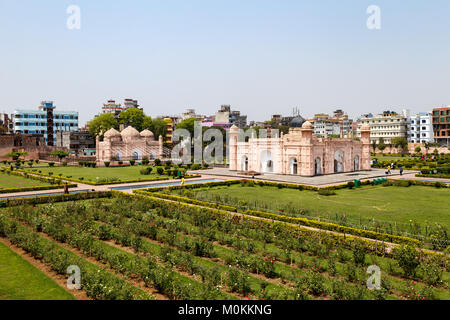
(336,228)
(345,240)
(89,164)
(439,176)
(36,177)
(39,188)
(186,200)
(96,282)
(55,198)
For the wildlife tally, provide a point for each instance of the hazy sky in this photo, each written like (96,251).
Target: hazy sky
(262,57)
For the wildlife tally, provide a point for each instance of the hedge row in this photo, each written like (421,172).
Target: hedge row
(345,240)
(439,176)
(300,221)
(186,200)
(93,183)
(336,228)
(32,176)
(55,198)
(96,282)
(39,188)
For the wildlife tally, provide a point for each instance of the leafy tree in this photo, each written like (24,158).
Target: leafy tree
(418,149)
(16,155)
(400,143)
(157,126)
(408,259)
(374,146)
(60,154)
(188,124)
(381,145)
(134,117)
(102,123)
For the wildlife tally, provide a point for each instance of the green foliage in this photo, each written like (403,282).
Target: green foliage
(408,259)
(102,123)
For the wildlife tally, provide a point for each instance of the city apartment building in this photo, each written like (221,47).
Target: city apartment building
(386,126)
(45,121)
(441,125)
(116,108)
(337,124)
(421,128)
(80,143)
(227,117)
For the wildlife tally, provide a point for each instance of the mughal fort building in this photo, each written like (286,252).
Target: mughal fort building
(128,145)
(299,153)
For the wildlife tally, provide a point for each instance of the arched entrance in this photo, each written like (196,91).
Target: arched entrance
(136,155)
(339,161)
(118,156)
(266,162)
(318,167)
(356,164)
(293,165)
(244,164)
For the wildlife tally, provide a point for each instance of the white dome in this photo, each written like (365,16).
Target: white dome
(130,132)
(112,133)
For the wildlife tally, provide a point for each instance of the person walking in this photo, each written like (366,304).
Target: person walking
(401,171)
(182,181)
(66,188)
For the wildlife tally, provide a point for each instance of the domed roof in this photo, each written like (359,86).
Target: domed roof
(297,122)
(112,133)
(130,132)
(147,134)
(307,125)
(234,128)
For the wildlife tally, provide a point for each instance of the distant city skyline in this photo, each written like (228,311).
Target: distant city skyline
(261,57)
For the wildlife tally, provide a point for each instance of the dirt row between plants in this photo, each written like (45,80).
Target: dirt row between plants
(46,269)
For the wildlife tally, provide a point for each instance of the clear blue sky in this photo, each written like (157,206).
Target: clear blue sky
(262,57)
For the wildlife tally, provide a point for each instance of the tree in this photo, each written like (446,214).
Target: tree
(157,126)
(133,117)
(60,154)
(400,143)
(16,155)
(188,124)
(418,149)
(381,145)
(102,123)
(374,146)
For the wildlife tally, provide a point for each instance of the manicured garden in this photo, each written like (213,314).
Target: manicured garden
(177,251)
(10,181)
(19,280)
(417,203)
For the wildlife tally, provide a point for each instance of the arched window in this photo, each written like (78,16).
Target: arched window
(244,164)
(339,161)
(318,166)
(356,164)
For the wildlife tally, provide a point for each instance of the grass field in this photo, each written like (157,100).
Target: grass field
(10,181)
(19,280)
(95,174)
(417,203)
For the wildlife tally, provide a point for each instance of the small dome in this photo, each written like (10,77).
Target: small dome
(234,128)
(297,122)
(112,133)
(365,127)
(130,132)
(147,134)
(307,125)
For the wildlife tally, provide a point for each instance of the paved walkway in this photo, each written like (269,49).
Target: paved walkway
(318,181)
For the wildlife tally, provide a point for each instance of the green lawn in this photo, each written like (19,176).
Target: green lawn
(19,280)
(10,181)
(96,174)
(388,157)
(400,204)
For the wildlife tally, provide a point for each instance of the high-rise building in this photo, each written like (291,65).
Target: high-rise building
(6,123)
(421,128)
(441,125)
(45,121)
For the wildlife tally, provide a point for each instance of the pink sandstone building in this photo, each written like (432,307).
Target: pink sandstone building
(300,153)
(128,145)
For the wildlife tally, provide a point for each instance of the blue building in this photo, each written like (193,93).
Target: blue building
(45,121)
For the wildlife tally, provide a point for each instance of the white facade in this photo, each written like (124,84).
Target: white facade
(421,128)
(386,127)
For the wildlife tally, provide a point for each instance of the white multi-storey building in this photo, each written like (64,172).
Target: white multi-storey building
(422,128)
(386,126)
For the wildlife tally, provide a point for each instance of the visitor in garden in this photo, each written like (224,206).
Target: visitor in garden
(66,188)
(182,181)
(401,171)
